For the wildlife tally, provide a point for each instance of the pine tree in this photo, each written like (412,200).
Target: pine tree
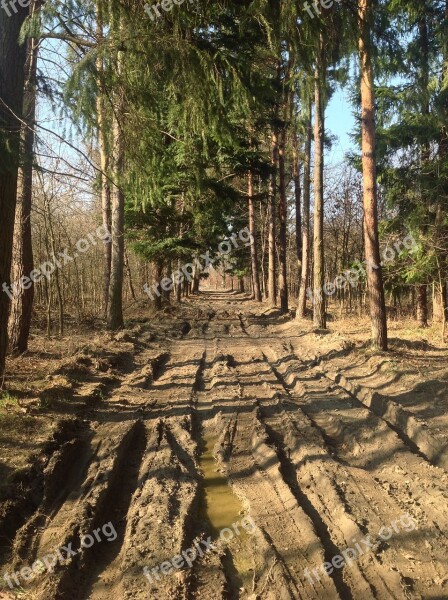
(371,238)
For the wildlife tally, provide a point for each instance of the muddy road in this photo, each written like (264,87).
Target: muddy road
(222,463)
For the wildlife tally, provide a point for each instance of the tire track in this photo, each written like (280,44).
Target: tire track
(345,428)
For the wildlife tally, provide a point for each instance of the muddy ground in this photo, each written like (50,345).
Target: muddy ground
(293,465)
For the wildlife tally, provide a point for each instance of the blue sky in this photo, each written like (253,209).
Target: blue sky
(340,122)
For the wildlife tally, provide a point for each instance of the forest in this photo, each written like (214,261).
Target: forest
(224,301)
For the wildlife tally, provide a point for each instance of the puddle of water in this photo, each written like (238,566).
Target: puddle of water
(223,509)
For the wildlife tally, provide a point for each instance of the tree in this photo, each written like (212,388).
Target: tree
(283,207)
(22,263)
(297,191)
(253,232)
(272,221)
(12,78)
(115,318)
(371,238)
(103,143)
(305,259)
(319,313)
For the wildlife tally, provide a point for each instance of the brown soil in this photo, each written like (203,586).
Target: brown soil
(181,426)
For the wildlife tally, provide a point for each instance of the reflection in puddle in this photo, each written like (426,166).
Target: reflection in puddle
(223,509)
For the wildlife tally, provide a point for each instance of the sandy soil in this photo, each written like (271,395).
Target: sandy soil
(325,464)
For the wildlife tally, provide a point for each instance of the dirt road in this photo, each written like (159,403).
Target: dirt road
(228,431)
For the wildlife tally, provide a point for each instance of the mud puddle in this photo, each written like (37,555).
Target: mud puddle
(224,511)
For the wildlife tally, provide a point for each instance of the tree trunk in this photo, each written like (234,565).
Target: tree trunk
(104,163)
(128,271)
(319,314)
(22,263)
(422,306)
(422,290)
(56,275)
(195,283)
(12,78)
(253,247)
(117,230)
(301,310)
(179,284)
(283,216)
(272,287)
(157,278)
(371,239)
(298,202)
(116,321)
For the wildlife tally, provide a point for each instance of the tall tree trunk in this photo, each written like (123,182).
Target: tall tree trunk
(253,232)
(272,284)
(301,311)
(283,216)
(298,201)
(22,263)
(422,290)
(440,228)
(51,246)
(371,239)
(319,314)
(104,162)
(12,78)
(115,321)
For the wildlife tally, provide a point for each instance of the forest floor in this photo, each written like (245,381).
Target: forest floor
(324,462)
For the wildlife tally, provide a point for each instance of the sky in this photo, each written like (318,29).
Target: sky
(340,122)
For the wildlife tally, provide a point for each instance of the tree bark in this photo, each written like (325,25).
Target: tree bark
(319,313)
(179,284)
(253,232)
(301,310)
(196,278)
(422,290)
(104,163)
(283,216)
(298,201)
(129,273)
(272,286)
(422,306)
(22,263)
(371,238)
(116,321)
(12,78)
